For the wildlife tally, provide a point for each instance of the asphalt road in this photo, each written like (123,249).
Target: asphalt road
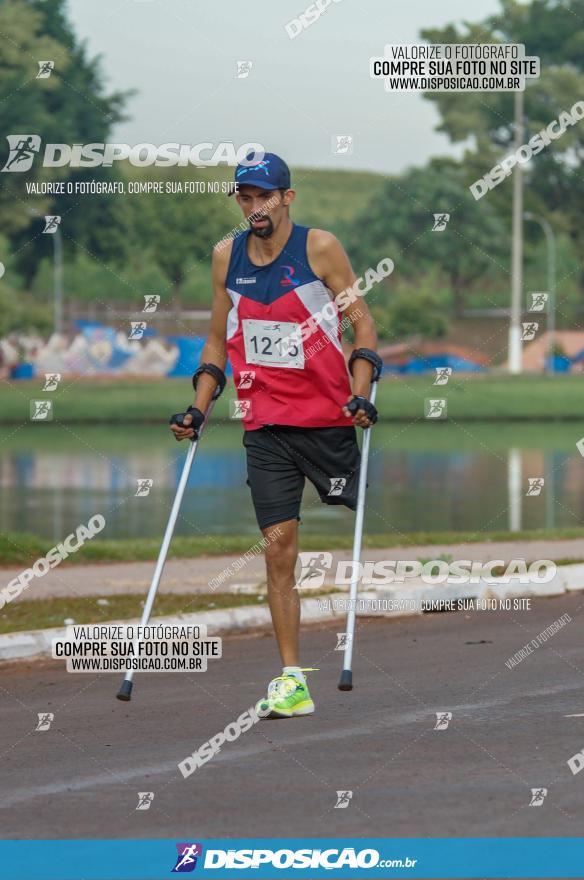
(509,733)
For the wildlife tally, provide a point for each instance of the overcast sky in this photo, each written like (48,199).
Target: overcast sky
(181,55)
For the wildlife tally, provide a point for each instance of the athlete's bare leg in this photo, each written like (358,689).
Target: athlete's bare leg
(281,554)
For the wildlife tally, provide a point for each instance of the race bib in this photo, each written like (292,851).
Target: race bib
(273,343)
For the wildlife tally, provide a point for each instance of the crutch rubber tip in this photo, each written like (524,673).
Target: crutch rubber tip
(125,692)
(346,682)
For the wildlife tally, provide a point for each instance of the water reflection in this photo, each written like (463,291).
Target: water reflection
(422,478)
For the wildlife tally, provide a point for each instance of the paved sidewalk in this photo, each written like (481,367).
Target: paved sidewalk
(194,575)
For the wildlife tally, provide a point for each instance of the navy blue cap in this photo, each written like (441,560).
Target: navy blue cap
(270,172)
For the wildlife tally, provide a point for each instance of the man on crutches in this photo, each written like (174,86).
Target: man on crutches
(279,293)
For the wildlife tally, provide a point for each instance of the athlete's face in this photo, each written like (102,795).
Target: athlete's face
(264,209)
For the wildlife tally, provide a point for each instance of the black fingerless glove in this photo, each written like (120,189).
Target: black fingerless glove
(197,419)
(362,403)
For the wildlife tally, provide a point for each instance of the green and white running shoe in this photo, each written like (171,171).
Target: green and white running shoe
(287,696)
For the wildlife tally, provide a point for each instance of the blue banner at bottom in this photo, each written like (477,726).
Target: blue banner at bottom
(552,857)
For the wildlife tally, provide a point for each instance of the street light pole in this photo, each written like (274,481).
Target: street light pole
(551,275)
(515,359)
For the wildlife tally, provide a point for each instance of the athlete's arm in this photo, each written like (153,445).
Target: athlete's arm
(329,261)
(215,348)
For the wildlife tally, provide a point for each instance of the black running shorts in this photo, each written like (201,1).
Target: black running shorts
(280,457)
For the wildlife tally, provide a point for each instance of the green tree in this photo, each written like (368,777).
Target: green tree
(180,230)
(553,30)
(68,107)
(400,219)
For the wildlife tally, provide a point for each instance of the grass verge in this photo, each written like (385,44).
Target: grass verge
(469,398)
(45,613)
(19,548)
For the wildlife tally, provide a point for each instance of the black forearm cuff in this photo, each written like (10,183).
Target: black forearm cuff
(367,354)
(217,374)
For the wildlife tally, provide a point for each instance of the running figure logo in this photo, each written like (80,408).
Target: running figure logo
(538,795)
(246,378)
(23,148)
(187,857)
(137,330)
(337,485)
(435,409)
(343,799)
(45,69)
(443,374)
(538,302)
(342,144)
(314,568)
(45,720)
(240,409)
(145,799)
(41,410)
(243,69)
(51,381)
(343,639)
(443,719)
(151,301)
(536,484)
(530,328)
(52,222)
(440,222)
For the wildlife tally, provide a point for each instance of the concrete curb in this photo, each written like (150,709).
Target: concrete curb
(398,601)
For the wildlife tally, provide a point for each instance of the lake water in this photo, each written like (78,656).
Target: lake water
(423,477)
